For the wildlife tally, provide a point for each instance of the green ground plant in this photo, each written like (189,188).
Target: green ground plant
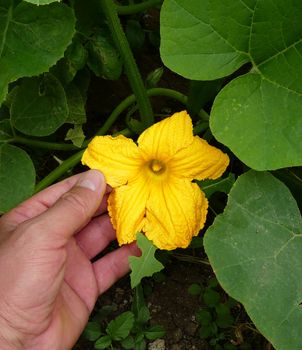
(129,330)
(216,317)
(242,63)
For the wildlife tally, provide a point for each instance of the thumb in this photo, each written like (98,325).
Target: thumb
(75,208)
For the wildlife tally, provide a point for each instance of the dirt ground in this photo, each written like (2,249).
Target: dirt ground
(174,308)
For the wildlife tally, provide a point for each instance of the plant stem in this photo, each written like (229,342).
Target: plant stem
(112,118)
(44,144)
(132,9)
(203,115)
(131,68)
(199,128)
(128,101)
(59,171)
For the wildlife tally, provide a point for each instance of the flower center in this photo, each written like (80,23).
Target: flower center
(156,166)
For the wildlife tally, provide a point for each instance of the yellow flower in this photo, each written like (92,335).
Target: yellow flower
(152,181)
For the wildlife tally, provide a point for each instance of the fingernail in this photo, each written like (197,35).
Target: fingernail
(93,180)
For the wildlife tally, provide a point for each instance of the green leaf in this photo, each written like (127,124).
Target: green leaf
(17,176)
(42,2)
(143,315)
(103,343)
(213,283)
(220,185)
(197,242)
(292,178)
(140,345)
(155,332)
(145,265)
(208,331)
(92,331)
(154,77)
(6,133)
(32,39)
(103,58)
(255,248)
(224,318)
(82,81)
(128,343)
(200,39)
(204,317)
(135,34)
(195,289)
(4,112)
(76,105)
(200,93)
(257,115)
(120,327)
(74,59)
(39,107)
(139,337)
(76,135)
(260,122)
(211,297)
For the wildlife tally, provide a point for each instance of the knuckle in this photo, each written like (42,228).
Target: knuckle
(76,203)
(30,227)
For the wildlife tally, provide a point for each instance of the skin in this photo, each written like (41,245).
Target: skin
(48,284)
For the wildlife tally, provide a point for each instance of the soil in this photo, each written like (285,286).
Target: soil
(174,308)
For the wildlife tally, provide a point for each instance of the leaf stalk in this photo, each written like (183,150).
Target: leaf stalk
(132,71)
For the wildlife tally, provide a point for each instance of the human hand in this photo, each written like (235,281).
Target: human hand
(48,286)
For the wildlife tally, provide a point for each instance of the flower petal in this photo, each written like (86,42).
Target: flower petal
(176,211)
(118,158)
(199,161)
(127,206)
(163,139)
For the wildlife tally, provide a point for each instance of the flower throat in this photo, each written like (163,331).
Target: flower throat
(156,166)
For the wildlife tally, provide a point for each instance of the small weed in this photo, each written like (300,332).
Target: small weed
(216,319)
(129,330)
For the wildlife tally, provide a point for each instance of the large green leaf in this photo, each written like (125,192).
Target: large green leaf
(40,106)
(255,249)
(32,39)
(258,115)
(17,176)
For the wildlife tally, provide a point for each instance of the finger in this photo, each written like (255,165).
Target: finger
(96,236)
(103,207)
(40,202)
(73,210)
(113,266)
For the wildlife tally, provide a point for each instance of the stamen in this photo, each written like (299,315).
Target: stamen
(156,166)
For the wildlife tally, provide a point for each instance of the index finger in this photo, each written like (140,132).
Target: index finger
(39,203)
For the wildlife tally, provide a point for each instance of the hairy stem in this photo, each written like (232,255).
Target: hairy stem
(131,68)
(43,144)
(59,171)
(135,8)
(203,115)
